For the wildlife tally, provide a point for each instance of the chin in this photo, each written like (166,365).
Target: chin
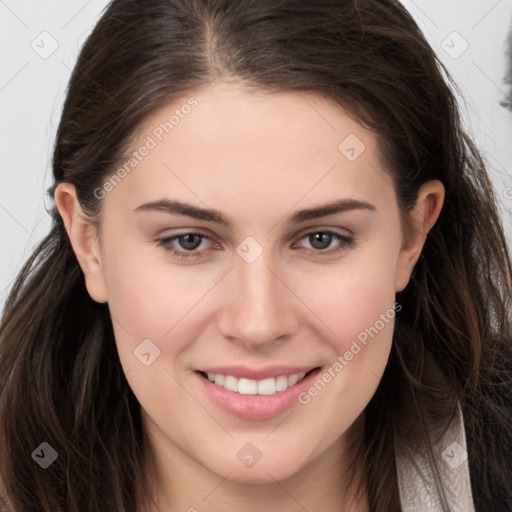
(268,469)
(261,476)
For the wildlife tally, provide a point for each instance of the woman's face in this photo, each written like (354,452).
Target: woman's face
(259,286)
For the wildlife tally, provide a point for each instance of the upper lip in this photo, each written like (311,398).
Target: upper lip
(245,372)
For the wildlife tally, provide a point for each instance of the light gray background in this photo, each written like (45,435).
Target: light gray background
(32,87)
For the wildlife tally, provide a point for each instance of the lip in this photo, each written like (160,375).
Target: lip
(244,372)
(256,407)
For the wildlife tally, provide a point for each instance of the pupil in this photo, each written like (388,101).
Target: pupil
(320,237)
(187,239)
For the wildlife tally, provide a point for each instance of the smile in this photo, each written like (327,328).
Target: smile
(269,386)
(255,394)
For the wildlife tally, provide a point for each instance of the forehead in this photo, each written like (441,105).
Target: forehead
(226,142)
(225,114)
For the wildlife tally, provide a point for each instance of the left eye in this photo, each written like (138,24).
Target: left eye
(191,241)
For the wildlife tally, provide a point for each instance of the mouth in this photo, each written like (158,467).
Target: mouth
(244,386)
(251,398)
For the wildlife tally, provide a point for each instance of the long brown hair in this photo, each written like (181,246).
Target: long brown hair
(61,380)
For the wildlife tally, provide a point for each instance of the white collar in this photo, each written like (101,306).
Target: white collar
(418,492)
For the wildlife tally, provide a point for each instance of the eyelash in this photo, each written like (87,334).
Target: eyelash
(345,242)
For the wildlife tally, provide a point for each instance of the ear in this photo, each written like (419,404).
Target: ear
(429,202)
(84,239)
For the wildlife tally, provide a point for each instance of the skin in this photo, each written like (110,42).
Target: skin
(257,158)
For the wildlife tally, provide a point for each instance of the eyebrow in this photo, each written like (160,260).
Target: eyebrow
(181,208)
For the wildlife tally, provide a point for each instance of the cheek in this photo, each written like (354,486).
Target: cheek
(357,304)
(135,300)
(141,301)
(354,296)
(153,299)
(360,316)
(361,331)
(144,295)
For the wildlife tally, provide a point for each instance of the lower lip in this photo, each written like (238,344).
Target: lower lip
(256,407)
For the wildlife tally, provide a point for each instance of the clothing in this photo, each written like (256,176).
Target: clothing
(418,492)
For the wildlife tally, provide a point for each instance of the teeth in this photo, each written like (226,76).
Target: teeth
(281,383)
(268,386)
(230,383)
(247,386)
(220,379)
(292,379)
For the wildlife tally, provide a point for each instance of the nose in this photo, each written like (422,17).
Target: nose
(260,309)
